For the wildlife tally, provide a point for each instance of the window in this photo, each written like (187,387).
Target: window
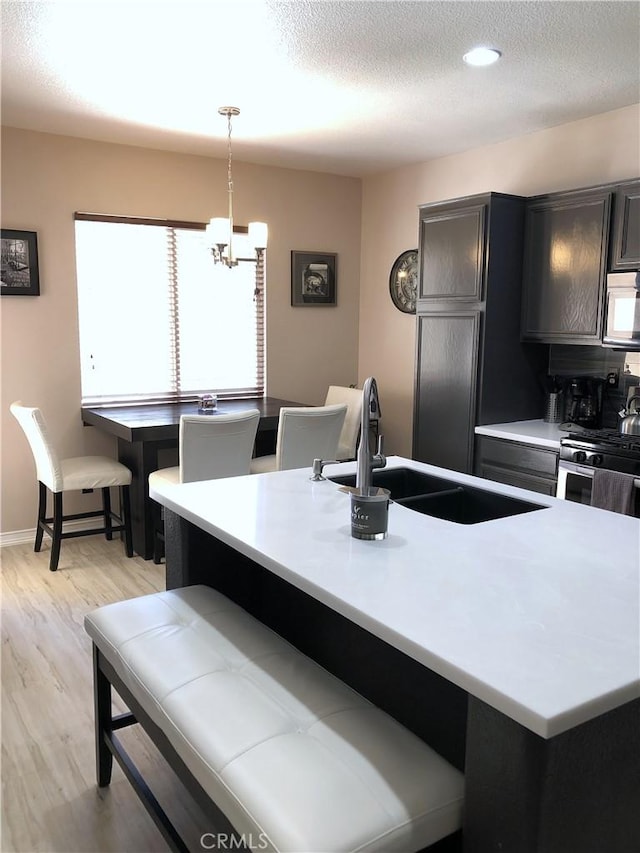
(158,319)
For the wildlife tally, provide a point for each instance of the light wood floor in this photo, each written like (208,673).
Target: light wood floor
(50,801)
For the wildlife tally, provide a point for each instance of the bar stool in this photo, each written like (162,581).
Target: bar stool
(304,434)
(348,444)
(57,476)
(210,447)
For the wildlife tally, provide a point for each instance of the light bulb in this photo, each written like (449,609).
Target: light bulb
(218,231)
(482,56)
(258,234)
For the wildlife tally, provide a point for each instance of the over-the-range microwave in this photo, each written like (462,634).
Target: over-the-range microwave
(622,311)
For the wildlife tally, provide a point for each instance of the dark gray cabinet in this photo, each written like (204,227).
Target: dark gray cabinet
(471,366)
(451,254)
(517,464)
(448,344)
(565,263)
(625,232)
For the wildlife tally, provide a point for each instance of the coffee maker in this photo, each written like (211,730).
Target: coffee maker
(583,401)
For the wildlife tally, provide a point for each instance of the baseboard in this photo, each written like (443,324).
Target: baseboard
(22,537)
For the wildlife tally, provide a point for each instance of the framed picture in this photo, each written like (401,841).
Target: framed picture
(19,274)
(313,278)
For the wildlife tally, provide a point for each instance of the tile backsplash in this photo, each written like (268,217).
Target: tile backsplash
(599,361)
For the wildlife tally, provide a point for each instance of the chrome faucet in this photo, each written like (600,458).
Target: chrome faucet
(366,461)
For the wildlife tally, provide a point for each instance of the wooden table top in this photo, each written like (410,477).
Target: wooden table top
(161,421)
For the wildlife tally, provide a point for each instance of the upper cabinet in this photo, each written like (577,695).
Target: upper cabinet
(565,263)
(452,246)
(625,232)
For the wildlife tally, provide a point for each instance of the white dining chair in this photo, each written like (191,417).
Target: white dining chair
(210,447)
(348,444)
(213,446)
(304,433)
(57,476)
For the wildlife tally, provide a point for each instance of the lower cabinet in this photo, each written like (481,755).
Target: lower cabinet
(517,464)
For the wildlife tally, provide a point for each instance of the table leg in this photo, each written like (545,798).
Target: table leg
(265,443)
(141,457)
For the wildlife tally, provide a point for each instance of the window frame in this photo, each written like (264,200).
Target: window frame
(256,392)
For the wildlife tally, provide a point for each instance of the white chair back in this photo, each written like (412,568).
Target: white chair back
(348,444)
(306,433)
(215,446)
(48,468)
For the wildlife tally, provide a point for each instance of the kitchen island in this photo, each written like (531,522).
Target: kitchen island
(512,646)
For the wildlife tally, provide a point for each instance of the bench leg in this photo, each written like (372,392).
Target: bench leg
(108,746)
(103,722)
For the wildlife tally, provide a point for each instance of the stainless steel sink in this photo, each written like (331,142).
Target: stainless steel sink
(442,498)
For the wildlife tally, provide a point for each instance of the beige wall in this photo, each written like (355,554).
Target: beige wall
(597,150)
(46,178)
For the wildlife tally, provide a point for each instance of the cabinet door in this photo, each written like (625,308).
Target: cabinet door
(625,235)
(452,254)
(446,389)
(566,241)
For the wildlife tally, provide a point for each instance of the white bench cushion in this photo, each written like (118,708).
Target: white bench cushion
(279,744)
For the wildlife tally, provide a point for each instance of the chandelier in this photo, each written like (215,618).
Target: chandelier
(219,231)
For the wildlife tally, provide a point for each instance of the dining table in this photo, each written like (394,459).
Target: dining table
(146,432)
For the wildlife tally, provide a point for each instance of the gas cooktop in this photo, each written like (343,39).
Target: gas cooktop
(602,448)
(605,439)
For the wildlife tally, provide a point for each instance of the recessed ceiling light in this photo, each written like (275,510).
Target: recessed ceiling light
(482,56)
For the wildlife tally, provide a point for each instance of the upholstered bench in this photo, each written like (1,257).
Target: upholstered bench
(294,758)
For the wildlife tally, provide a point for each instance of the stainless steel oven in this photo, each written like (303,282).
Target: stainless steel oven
(581,454)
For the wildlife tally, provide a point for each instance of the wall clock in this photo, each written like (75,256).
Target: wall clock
(403,281)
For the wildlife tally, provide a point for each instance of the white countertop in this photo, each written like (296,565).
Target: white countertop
(536,614)
(530,432)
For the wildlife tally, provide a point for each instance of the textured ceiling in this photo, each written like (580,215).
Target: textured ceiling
(344,87)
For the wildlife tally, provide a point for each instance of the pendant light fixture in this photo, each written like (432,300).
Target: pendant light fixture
(219,231)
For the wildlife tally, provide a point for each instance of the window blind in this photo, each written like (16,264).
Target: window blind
(158,319)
